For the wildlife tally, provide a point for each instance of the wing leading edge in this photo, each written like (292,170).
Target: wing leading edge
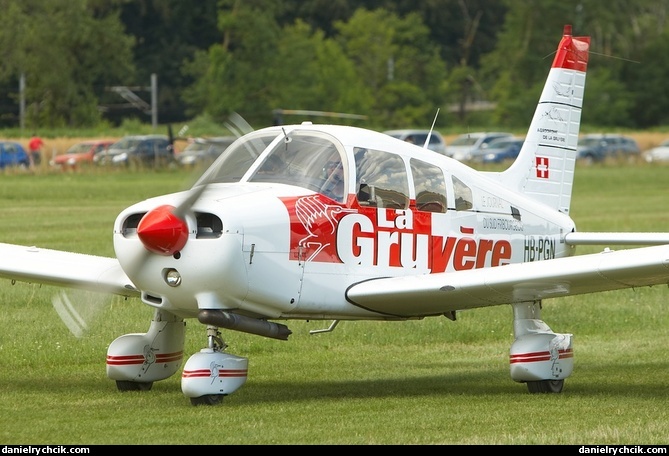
(433,294)
(68,269)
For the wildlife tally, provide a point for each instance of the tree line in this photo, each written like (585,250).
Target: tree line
(395,63)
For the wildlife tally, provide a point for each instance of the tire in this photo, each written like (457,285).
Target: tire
(208,399)
(545,386)
(124,385)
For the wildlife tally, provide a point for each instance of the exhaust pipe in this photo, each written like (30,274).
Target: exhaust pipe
(227,320)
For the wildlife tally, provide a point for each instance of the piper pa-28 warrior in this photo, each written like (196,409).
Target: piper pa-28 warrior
(331,222)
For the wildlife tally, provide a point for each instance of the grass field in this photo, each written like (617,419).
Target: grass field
(421,382)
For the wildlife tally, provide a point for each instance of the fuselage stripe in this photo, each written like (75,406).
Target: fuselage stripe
(533,357)
(126,360)
(203,373)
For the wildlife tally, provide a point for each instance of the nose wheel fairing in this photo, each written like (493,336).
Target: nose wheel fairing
(211,374)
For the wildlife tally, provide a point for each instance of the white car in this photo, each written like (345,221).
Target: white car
(659,153)
(466,145)
(418,137)
(203,151)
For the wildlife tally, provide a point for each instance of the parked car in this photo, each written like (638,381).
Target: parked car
(203,151)
(138,150)
(659,153)
(499,150)
(13,154)
(80,154)
(599,147)
(436,144)
(466,145)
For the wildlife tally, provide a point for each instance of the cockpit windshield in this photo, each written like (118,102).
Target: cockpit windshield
(236,160)
(307,159)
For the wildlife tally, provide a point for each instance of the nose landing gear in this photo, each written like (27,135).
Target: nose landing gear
(211,374)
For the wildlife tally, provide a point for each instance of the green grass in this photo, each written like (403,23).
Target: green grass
(420,382)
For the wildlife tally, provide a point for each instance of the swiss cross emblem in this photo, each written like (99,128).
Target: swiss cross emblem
(542,167)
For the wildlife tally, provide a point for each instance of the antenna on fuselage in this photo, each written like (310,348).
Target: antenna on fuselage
(286,138)
(429,135)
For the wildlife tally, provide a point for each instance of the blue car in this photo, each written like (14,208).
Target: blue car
(500,150)
(13,154)
(600,147)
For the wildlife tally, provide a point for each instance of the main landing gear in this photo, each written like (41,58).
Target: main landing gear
(135,361)
(539,357)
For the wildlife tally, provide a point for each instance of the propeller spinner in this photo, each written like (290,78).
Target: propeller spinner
(162,231)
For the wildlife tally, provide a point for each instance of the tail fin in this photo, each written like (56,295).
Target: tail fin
(544,169)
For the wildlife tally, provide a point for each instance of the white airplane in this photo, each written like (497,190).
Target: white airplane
(325,222)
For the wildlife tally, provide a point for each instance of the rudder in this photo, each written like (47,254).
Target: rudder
(544,169)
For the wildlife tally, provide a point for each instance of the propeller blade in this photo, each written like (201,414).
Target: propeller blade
(170,134)
(185,205)
(78,309)
(164,230)
(238,125)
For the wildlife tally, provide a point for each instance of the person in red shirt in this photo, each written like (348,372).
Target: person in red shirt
(35,149)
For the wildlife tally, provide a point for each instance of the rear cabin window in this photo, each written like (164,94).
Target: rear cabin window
(429,185)
(463,195)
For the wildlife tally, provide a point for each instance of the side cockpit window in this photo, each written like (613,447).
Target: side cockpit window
(381,179)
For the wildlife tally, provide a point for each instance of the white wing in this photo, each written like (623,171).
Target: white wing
(67,269)
(433,294)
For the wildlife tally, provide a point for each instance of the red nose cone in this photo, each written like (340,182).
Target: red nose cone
(162,232)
